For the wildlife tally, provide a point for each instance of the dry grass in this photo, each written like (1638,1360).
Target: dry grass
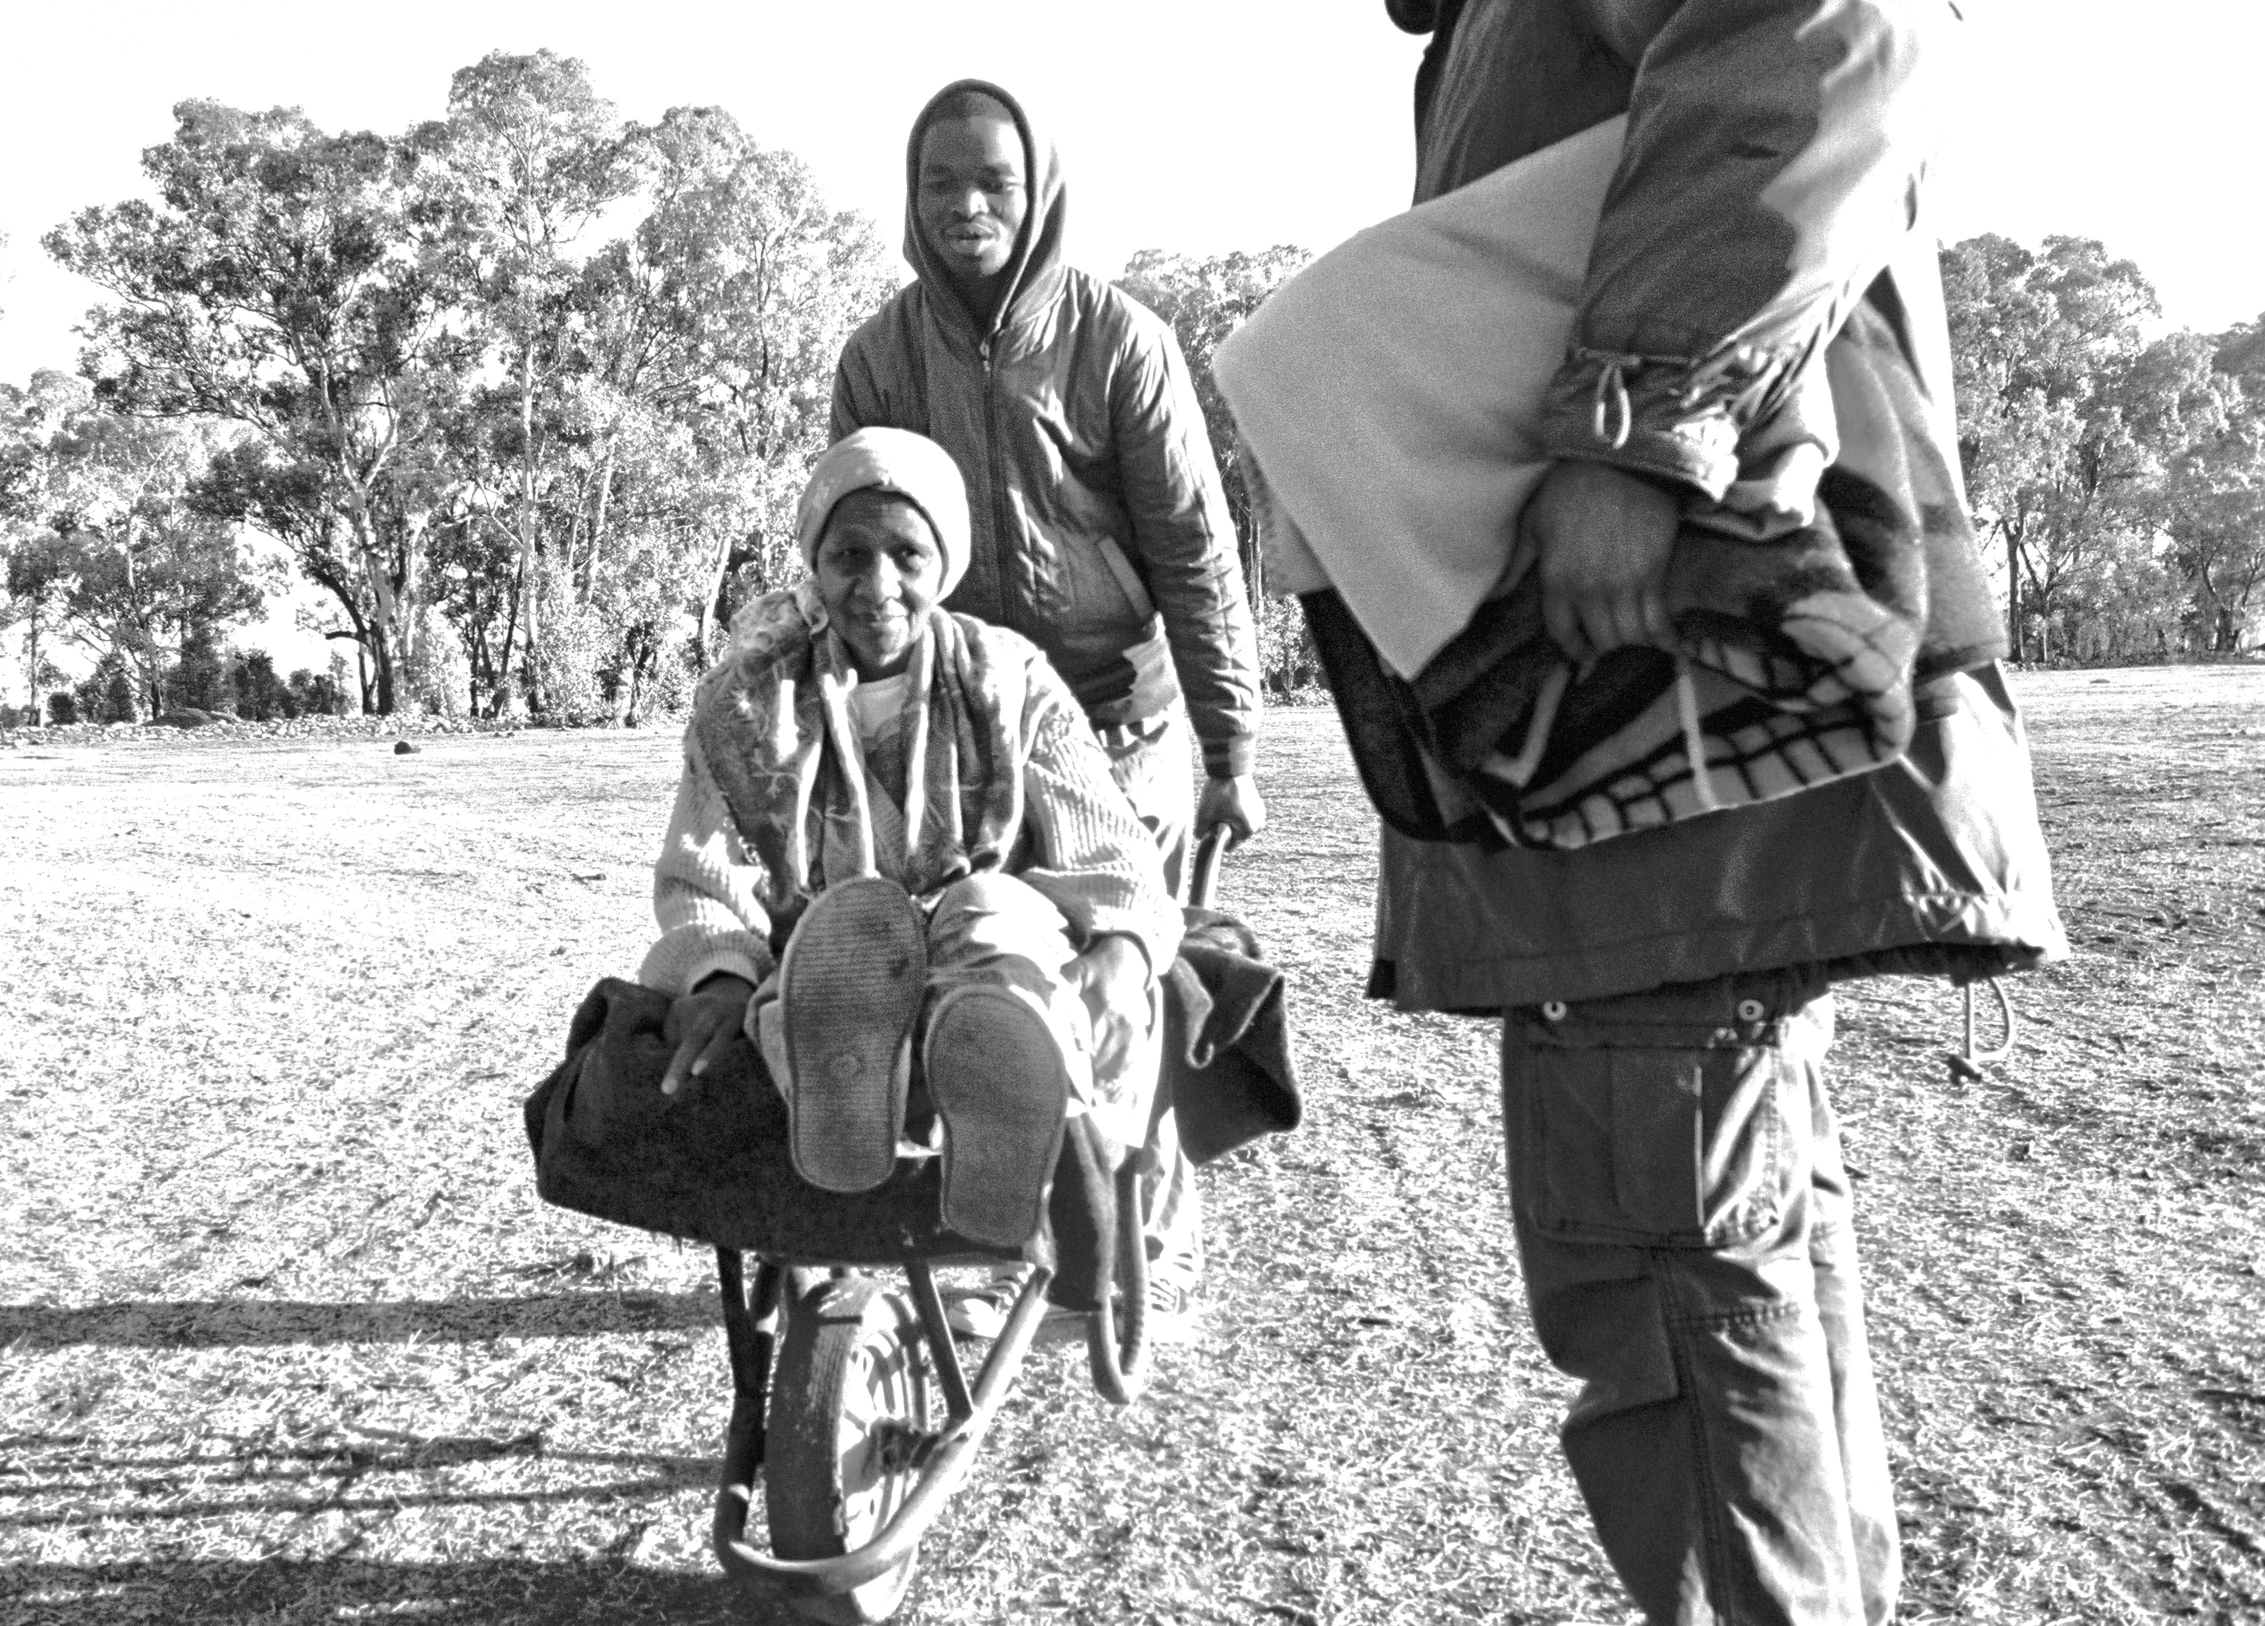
(288,1338)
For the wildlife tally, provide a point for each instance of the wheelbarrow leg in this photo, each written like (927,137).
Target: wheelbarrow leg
(751,1335)
(1116,1336)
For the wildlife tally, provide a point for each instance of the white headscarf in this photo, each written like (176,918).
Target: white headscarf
(912,466)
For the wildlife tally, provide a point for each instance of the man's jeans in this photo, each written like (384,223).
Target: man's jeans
(1683,1216)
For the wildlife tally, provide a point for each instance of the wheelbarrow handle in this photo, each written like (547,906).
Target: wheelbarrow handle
(1210,850)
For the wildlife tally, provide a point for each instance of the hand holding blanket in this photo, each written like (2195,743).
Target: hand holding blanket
(1391,397)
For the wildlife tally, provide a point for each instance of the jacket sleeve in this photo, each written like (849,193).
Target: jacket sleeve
(1774,154)
(1094,860)
(1186,542)
(858,400)
(707,892)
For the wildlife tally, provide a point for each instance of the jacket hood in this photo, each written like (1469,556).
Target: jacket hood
(1034,271)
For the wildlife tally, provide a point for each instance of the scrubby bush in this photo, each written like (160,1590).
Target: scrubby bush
(261,695)
(200,679)
(437,677)
(62,708)
(108,693)
(315,694)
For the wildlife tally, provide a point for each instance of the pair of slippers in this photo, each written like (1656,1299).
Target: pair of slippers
(851,984)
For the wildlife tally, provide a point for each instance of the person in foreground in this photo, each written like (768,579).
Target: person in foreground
(1100,530)
(1760,322)
(898,863)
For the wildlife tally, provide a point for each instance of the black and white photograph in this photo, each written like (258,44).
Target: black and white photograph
(1213,813)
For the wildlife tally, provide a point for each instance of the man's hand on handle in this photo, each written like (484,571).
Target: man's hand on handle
(1603,538)
(701,1025)
(1233,802)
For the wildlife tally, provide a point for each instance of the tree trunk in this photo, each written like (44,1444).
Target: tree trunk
(388,692)
(527,574)
(31,661)
(2013,593)
(589,578)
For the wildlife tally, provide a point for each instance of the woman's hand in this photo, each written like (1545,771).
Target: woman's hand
(1112,979)
(702,1024)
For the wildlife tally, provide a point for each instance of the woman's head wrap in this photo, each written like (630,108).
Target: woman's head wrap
(912,466)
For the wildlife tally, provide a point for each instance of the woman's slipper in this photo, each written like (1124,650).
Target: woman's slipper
(996,1076)
(850,985)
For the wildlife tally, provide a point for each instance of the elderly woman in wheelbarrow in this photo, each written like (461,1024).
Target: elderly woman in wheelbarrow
(898,863)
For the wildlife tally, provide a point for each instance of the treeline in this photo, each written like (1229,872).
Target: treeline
(528,392)
(2118,479)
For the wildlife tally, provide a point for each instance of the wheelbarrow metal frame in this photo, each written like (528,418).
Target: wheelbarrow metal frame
(942,1466)
(1116,1343)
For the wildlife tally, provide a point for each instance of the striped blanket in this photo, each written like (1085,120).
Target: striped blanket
(1798,659)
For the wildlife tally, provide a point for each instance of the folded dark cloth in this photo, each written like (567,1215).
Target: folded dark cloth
(1228,1070)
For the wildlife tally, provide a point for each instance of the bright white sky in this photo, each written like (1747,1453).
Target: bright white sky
(1195,125)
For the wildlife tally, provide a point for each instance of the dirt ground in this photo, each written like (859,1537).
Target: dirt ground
(288,1337)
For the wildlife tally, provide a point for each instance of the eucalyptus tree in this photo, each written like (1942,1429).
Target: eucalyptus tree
(274,284)
(516,179)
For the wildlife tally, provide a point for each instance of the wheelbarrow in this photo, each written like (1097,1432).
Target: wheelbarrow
(851,1404)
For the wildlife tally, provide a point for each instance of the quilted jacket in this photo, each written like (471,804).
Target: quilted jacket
(1771,181)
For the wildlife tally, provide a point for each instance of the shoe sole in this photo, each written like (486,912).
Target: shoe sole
(850,985)
(997,1081)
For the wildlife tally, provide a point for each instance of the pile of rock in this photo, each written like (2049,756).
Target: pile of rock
(188,723)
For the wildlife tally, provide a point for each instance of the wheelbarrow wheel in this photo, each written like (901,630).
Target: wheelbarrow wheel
(849,1416)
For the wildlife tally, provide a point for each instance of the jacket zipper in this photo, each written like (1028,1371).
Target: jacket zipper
(1001,555)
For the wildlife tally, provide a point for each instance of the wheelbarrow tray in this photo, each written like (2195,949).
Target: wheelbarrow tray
(711,1165)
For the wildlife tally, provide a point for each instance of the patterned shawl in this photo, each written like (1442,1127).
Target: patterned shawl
(772,722)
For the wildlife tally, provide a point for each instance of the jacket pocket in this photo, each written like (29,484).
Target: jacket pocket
(1643,1137)
(1104,588)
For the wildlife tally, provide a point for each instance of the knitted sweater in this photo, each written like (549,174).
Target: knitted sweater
(776,800)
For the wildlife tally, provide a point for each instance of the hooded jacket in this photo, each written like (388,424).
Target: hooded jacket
(1100,529)
(1768,188)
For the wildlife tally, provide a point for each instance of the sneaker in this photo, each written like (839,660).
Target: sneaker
(996,1077)
(1174,1312)
(981,1312)
(850,985)
(1173,1283)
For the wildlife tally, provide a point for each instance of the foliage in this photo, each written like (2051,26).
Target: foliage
(274,285)
(2116,476)
(519,388)
(316,694)
(105,549)
(260,693)
(1205,300)
(107,694)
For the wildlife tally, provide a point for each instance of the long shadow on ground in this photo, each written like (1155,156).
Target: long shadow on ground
(499,1592)
(215,1323)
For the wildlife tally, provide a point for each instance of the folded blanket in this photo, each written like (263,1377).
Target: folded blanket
(1390,399)
(1228,1070)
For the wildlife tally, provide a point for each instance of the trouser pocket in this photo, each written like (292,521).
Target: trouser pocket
(1640,1121)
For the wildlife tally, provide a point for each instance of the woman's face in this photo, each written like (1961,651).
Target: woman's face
(879,572)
